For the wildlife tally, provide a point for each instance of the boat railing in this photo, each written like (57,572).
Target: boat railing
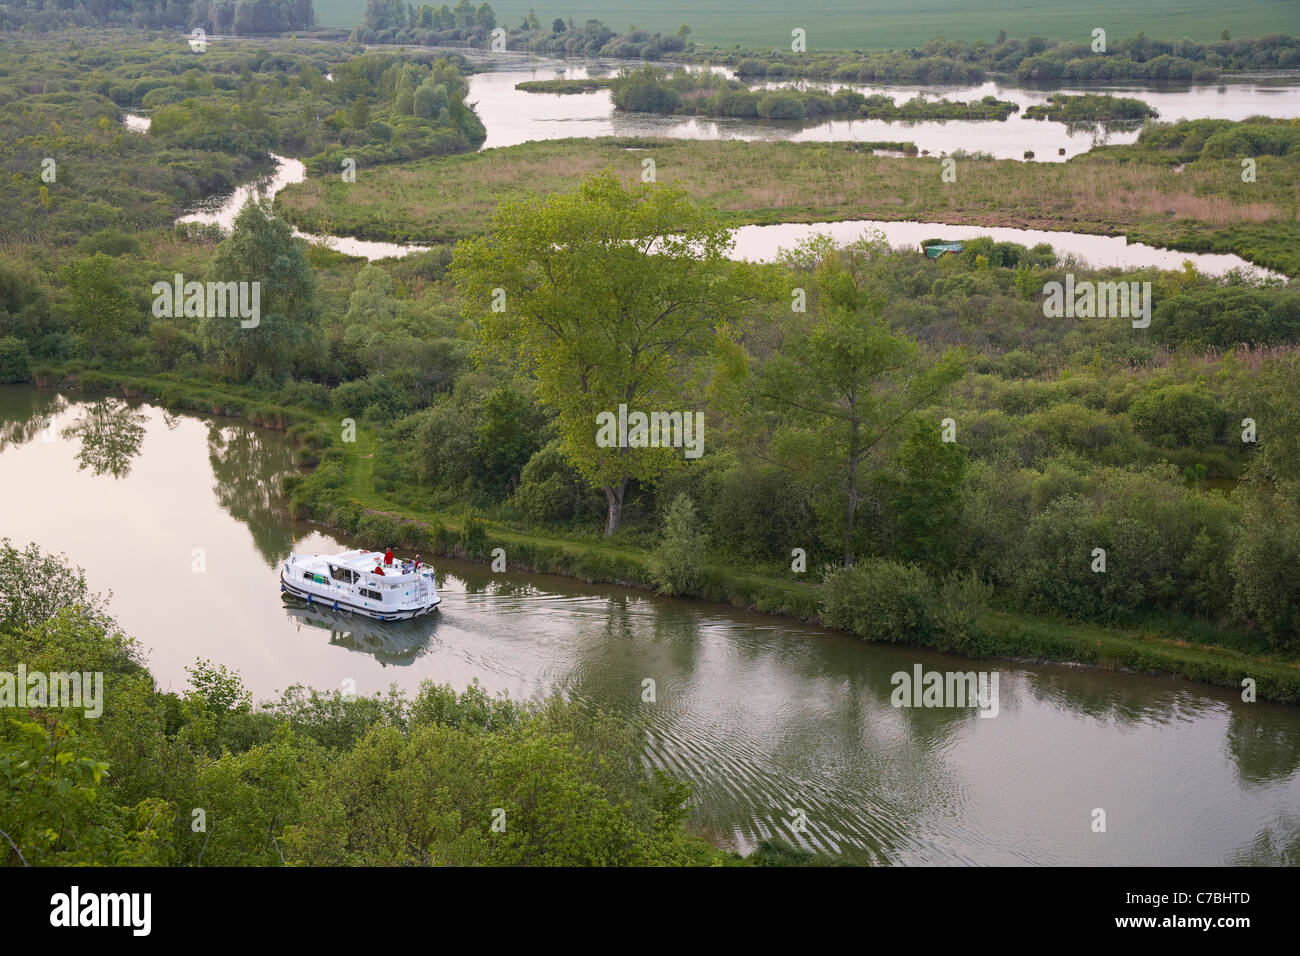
(402,571)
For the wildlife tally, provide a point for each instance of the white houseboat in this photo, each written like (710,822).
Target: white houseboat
(360,582)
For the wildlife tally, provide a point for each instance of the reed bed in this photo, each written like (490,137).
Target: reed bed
(449,198)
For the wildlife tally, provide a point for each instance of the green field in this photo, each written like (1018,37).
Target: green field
(876,24)
(1203,208)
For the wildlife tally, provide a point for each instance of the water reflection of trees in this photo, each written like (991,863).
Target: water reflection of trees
(110,432)
(1124,700)
(24,412)
(478,580)
(1264,742)
(1276,845)
(246,467)
(395,643)
(755,720)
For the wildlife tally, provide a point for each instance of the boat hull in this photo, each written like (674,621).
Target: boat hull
(342,604)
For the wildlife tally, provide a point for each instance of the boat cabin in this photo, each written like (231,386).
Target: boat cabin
(359,580)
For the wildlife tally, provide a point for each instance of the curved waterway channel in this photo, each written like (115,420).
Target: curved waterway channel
(767,718)
(512,117)
(763,243)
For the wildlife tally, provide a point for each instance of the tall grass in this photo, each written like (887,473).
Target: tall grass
(1205,207)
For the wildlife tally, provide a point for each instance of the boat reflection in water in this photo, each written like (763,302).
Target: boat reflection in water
(389,642)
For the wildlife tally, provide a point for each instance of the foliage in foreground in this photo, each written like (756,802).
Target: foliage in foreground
(207,778)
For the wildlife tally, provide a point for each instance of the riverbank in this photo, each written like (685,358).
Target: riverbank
(1201,206)
(339,493)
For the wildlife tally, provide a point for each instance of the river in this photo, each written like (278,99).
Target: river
(772,721)
(514,117)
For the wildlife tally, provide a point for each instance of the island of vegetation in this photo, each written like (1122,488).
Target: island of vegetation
(1092,108)
(564,86)
(649,89)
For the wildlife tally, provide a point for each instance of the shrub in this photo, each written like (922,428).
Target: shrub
(1056,560)
(351,398)
(110,242)
(474,539)
(549,488)
(1178,416)
(742,520)
(961,601)
(781,106)
(1266,556)
(1223,317)
(677,561)
(15,365)
(880,600)
(379,531)
(311,395)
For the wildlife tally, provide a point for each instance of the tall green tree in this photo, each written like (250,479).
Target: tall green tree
(610,295)
(923,495)
(372,319)
(100,305)
(263,249)
(843,385)
(1267,589)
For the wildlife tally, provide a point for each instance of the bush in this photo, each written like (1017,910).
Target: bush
(550,490)
(962,600)
(1179,416)
(776,852)
(1266,556)
(644,91)
(781,106)
(110,242)
(1056,560)
(678,559)
(1224,317)
(311,395)
(15,362)
(742,520)
(374,398)
(474,540)
(880,600)
(378,531)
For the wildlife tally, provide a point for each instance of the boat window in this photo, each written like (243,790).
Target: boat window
(341,574)
(308,576)
(374,595)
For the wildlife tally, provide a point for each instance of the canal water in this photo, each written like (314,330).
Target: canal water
(784,729)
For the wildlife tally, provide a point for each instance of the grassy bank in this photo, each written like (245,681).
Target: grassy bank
(1205,207)
(340,493)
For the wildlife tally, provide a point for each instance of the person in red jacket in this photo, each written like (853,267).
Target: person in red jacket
(388,556)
